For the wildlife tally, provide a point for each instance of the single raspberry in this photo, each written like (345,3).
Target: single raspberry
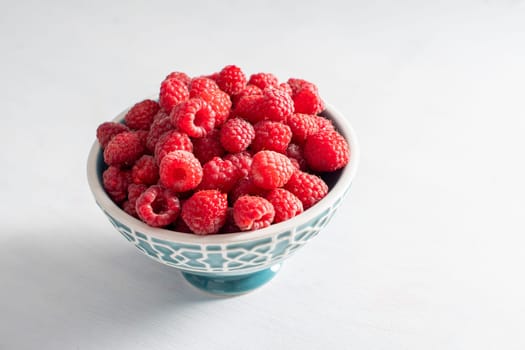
(245,186)
(272,136)
(134,192)
(276,105)
(160,126)
(308,101)
(116,181)
(231,80)
(248,90)
(286,88)
(160,114)
(326,151)
(263,80)
(183,77)
(172,141)
(143,138)
(309,188)
(158,207)
(229,226)
(299,84)
(141,115)
(123,149)
(219,174)
(285,203)
(145,171)
(302,126)
(253,213)
(207,147)
(205,212)
(246,108)
(129,208)
(236,135)
(172,92)
(180,171)
(323,124)
(270,169)
(220,103)
(296,155)
(193,117)
(202,84)
(107,130)
(241,160)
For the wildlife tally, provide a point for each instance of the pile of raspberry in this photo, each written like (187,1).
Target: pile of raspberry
(221,153)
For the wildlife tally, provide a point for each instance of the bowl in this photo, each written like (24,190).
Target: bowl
(234,263)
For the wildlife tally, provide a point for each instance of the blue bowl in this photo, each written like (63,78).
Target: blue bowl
(234,263)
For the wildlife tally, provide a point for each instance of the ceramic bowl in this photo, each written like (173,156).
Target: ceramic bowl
(235,263)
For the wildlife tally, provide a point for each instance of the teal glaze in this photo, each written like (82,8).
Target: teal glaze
(231,285)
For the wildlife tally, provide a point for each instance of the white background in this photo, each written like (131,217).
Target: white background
(427,252)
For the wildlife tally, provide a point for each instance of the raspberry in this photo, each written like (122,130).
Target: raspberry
(253,213)
(246,108)
(107,130)
(263,80)
(286,88)
(129,208)
(231,80)
(172,141)
(145,171)
(193,117)
(219,174)
(205,212)
(309,188)
(134,192)
(285,203)
(180,171)
(296,155)
(302,126)
(229,225)
(323,123)
(172,92)
(221,104)
(236,135)
(326,151)
(143,138)
(141,115)
(299,84)
(270,169)
(207,147)
(276,105)
(202,84)
(272,136)
(245,186)
(158,207)
(160,114)
(123,149)
(159,126)
(242,160)
(213,76)
(183,77)
(308,101)
(116,183)
(248,90)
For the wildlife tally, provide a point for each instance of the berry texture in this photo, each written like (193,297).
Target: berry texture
(308,101)
(123,149)
(302,126)
(253,213)
(247,108)
(145,171)
(183,77)
(159,126)
(249,90)
(272,136)
(115,182)
(141,115)
(309,188)
(263,80)
(193,117)
(236,135)
(207,147)
(270,169)
(326,151)
(134,192)
(231,80)
(205,212)
(172,92)
(219,102)
(172,141)
(180,171)
(296,155)
(201,85)
(245,186)
(242,161)
(285,203)
(106,131)
(276,105)
(158,207)
(219,174)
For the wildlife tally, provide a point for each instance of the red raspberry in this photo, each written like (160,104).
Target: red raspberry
(302,126)
(180,171)
(219,174)
(213,76)
(296,155)
(242,160)
(129,208)
(270,169)
(134,192)
(107,130)
(273,136)
(116,181)
(141,115)
(207,147)
(160,126)
(309,188)
(160,114)
(286,88)
(299,84)
(326,151)
(193,117)
(264,80)
(276,105)
(172,92)
(236,135)
(158,207)
(247,108)
(308,101)
(183,77)
(205,212)
(143,137)
(172,141)
(248,90)
(245,186)
(285,203)
(323,123)
(123,149)
(220,103)
(145,171)
(253,213)
(202,84)
(229,225)
(231,80)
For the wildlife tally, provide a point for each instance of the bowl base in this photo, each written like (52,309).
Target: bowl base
(232,285)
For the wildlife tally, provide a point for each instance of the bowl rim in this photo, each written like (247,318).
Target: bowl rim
(347,175)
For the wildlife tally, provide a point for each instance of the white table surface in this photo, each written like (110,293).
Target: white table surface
(427,252)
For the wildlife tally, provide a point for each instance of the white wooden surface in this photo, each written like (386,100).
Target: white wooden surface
(426,252)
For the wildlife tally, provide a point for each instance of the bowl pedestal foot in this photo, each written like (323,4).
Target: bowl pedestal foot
(232,285)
